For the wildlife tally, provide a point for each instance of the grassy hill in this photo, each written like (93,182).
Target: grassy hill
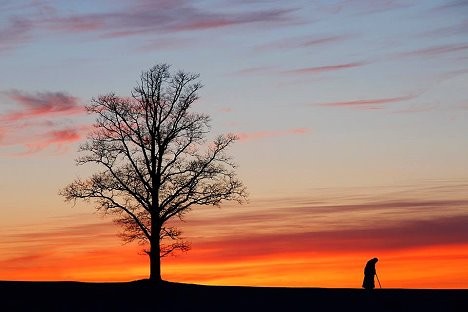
(143,296)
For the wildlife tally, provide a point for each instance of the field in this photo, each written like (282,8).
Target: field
(139,295)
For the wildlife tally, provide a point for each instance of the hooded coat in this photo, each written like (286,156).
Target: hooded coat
(369,272)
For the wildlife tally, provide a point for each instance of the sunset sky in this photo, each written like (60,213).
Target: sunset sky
(352,117)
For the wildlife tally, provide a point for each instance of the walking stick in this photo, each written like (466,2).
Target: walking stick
(378,280)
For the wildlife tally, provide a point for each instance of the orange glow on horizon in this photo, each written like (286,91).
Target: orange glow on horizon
(116,263)
(299,242)
(432,267)
(428,267)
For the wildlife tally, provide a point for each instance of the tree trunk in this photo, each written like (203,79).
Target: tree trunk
(155,260)
(155,248)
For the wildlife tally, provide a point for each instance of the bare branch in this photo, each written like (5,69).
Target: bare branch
(155,160)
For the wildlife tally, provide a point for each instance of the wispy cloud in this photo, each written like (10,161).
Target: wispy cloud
(223,20)
(60,231)
(414,234)
(34,138)
(306,42)
(436,50)
(39,120)
(444,31)
(449,5)
(258,135)
(417,109)
(142,17)
(293,216)
(312,70)
(59,138)
(369,104)
(258,70)
(391,222)
(133,18)
(362,6)
(324,69)
(41,104)
(15,33)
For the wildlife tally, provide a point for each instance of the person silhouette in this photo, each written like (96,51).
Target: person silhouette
(369,272)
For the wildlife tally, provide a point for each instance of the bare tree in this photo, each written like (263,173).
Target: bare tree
(155,161)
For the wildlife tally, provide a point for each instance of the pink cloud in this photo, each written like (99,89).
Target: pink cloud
(324,69)
(146,17)
(300,71)
(37,124)
(258,135)
(376,103)
(42,104)
(58,138)
(131,18)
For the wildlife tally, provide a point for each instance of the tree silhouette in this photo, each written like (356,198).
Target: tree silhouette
(155,162)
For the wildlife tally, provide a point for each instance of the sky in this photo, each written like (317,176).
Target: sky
(352,124)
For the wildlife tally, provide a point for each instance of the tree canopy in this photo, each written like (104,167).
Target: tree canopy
(155,161)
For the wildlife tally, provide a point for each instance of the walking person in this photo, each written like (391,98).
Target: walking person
(369,272)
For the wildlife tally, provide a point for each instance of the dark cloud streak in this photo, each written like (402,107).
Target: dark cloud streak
(389,237)
(393,222)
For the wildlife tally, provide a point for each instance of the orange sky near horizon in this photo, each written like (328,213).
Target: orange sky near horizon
(293,242)
(425,267)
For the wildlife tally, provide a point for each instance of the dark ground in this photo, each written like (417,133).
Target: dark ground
(142,296)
